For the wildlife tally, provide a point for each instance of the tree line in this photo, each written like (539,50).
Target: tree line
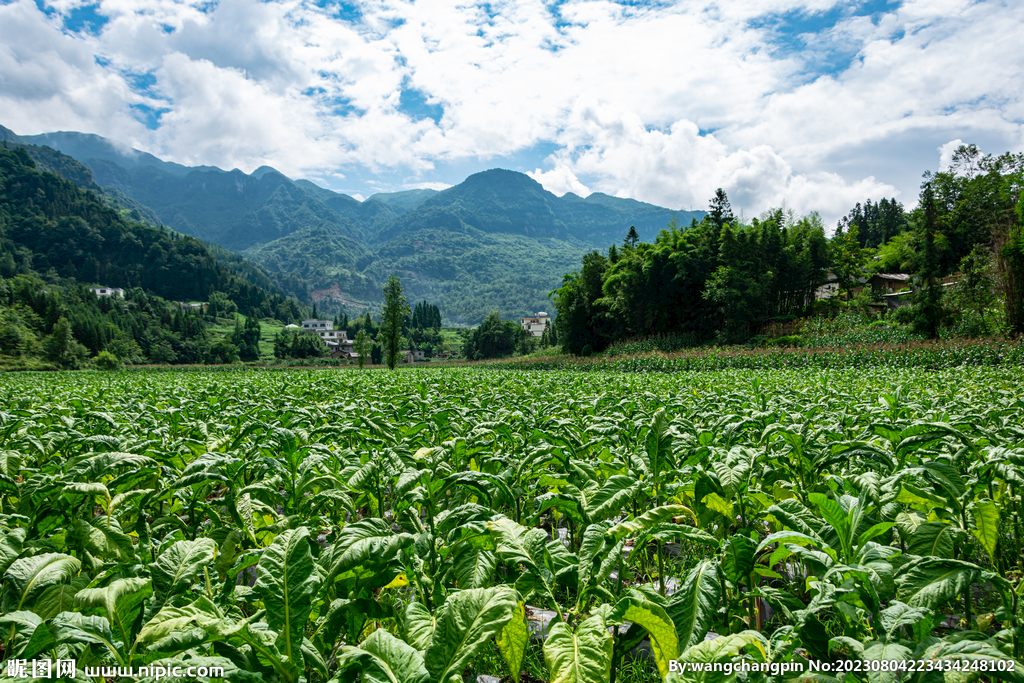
(723,280)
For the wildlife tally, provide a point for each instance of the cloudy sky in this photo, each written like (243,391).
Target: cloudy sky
(817,104)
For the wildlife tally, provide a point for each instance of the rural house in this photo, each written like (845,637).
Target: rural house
(535,325)
(884,283)
(107,291)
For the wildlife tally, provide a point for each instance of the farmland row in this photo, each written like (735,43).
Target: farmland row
(404,527)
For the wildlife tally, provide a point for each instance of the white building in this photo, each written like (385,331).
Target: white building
(535,325)
(325,329)
(107,291)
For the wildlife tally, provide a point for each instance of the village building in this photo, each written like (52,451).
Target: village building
(884,283)
(192,306)
(317,325)
(337,341)
(108,291)
(828,289)
(536,324)
(413,356)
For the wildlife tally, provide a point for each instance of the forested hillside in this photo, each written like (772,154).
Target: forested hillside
(496,240)
(57,238)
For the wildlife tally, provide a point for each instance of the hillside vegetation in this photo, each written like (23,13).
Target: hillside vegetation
(517,239)
(57,238)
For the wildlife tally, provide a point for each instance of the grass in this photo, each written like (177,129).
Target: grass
(268,328)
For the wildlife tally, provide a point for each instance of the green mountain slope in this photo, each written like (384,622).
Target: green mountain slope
(496,240)
(368,218)
(85,147)
(321,257)
(47,222)
(467,272)
(509,202)
(235,210)
(407,200)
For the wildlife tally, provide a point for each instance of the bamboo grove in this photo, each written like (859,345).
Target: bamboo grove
(409,527)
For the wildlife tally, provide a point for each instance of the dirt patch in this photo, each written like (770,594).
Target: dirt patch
(335,293)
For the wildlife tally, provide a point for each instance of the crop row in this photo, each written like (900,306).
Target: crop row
(925,355)
(409,527)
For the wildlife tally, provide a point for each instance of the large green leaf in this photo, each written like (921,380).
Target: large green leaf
(836,517)
(403,661)
(648,519)
(513,639)
(932,582)
(694,606)
(27,578)
(201,613)
(94,467)
(473,567)
(419,625)
(898,616)
(583,656)
(121,601)
(596,552)
(985,517)
(59,597)
(10,547)
(467,622)
(27,633)
(177,567)
(738,558)
(613,495)
(971,652)
(655,620)
(368,543)
(658,442)
(934,539)
(71,627)
(287,582)
(517,544)
(723,649)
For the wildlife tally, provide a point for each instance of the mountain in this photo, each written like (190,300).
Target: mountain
(86,147)
(500,201)
(403,201)
(498,240)
(52,225)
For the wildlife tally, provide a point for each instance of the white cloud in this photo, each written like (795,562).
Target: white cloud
(661,102)
(560,180)
(946,153)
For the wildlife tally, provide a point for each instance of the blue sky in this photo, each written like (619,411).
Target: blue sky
(811,104)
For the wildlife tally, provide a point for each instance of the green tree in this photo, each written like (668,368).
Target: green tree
(60,346)
(105,360)
(493,338)
(975,291)
(581,320)
(223,351)
(632,239)
(720,211)
(219,305)
(928,311)
(247,338)
(362,347)
(396,310)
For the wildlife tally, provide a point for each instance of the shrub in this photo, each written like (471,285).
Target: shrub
(105,360)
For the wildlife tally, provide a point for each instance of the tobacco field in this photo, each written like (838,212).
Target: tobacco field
(430,526)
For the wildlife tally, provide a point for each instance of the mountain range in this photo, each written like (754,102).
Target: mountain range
(498,240)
